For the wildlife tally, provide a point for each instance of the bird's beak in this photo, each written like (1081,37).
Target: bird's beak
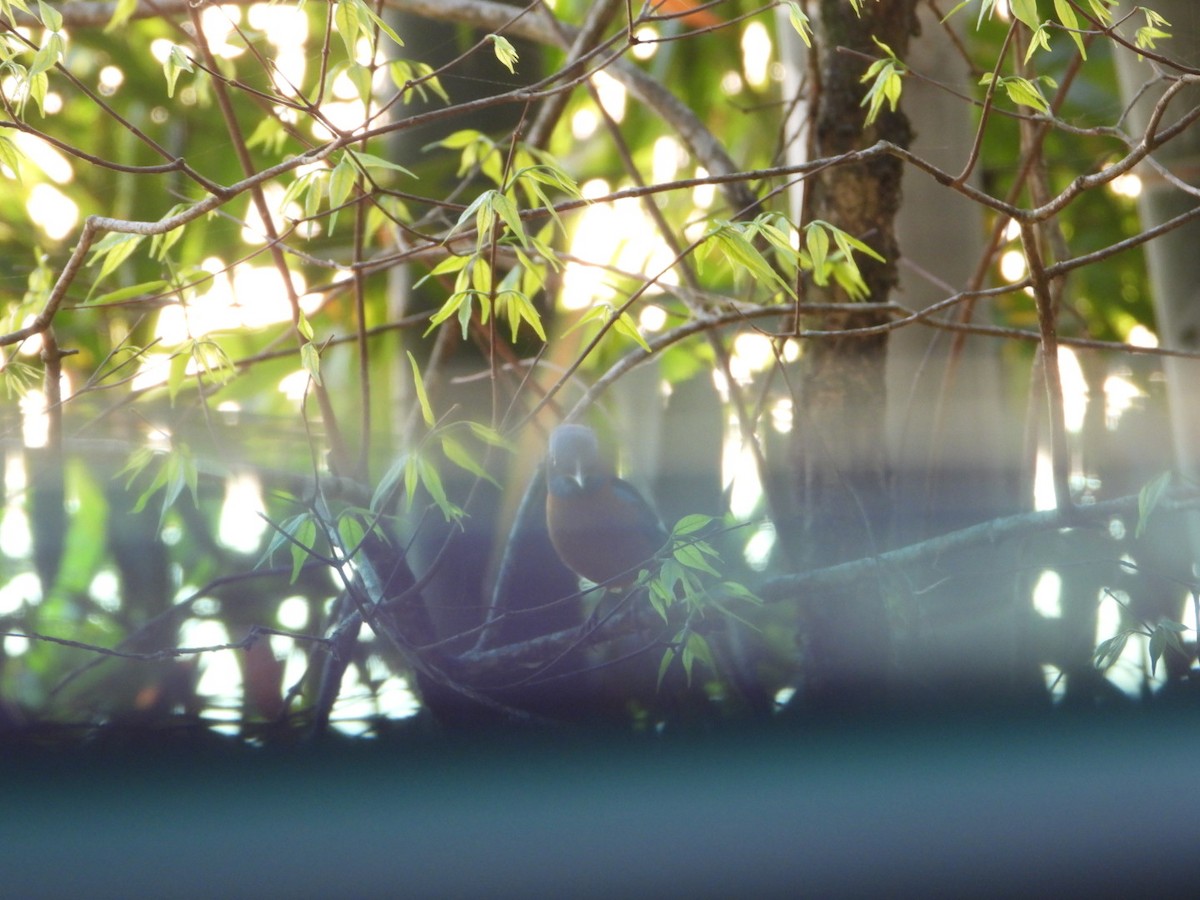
(577,475)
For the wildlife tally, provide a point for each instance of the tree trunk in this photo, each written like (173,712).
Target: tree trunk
(837,456)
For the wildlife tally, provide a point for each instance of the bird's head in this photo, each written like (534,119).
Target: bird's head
(574,458)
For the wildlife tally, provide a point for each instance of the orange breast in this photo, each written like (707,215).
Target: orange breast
(602,535)
(703,18)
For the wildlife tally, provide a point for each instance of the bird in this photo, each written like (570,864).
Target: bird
(600,526)
(698,18)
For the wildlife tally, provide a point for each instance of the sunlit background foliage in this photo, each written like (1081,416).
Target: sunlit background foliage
(163,493)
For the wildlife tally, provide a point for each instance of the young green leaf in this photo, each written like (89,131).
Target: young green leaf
(385,487)
(461,457)
(887,83)
(371,161)
(304,537)
(816,241)
(304,327)
(1149,34)
(1070,21)
(691,524)
(419,388)
(177,61)
(341,181)
(145,289)
(1149,497)
(311,360)
(346,22)
(50,16)
(505,52)
(692,556)
(350,533)
(1109,651)
(667,658)
(625,325)
(799,21)
(431,480)
(1026,12)
(11,156)
(113,249)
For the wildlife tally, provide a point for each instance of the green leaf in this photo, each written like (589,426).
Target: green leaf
(697,645)
(387,484)
(311,360)
(734,241)
(415,80)
(800,22)
(11,156)
(460,140)
(302,529)
(490,436)
(305,536)
(1026,12)
(471,212)
(1157,642)
(381,24)
(212,360)
(691,556)
(1109,651)
(1022,91)
(1149,497)
(50,16)
(305,327)
(626,326)
(1172,626)
(461,457)
(177,61)
(445,267)
(661,597)
(505,52)
(511,215)
(691,524)
(479,277)
(667,658)
(371,161)
(739,591)
(1101,11)
(145,289)
(163,241)
(887,84)
(123,11)
(847,243)
(47,55)
(269,134)
(1149,34)
(432,482)
(346,23)
(1039,41)
(178,472)
(460,303)
(518,309)
(419,388)
(816,241)
(114,249)
(341,181)
(37,87)
(350,533)
(138,461)
(1066,15)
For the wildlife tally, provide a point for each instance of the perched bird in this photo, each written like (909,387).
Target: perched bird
(600,526)
(700,18)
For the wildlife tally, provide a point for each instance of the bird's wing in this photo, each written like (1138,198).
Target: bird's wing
(648,524)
